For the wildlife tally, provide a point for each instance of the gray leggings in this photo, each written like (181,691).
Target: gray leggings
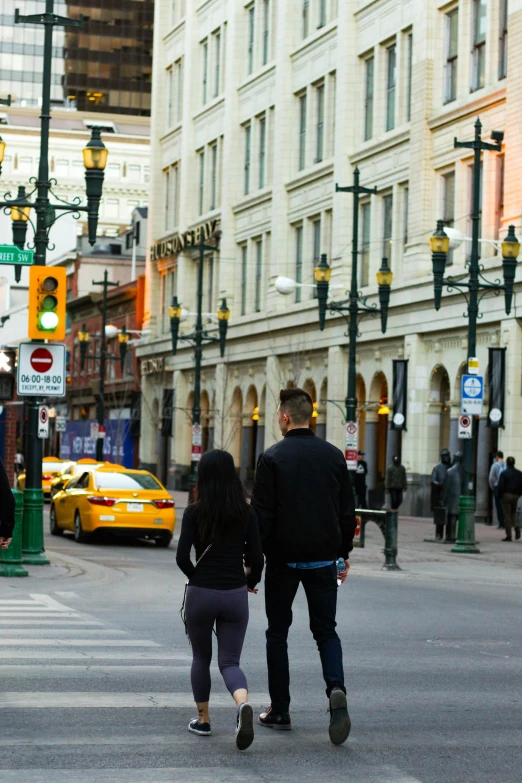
(229,610)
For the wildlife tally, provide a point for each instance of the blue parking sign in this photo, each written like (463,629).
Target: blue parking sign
(472,396)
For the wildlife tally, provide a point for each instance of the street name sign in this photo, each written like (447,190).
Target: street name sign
(43,421)
(41,370)
(472,398)
(11,254)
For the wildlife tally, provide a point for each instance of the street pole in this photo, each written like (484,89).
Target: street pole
(198,352)
(100,406)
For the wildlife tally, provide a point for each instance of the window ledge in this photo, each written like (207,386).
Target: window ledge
(253,200)
(174,29)
(210,106)
(171,132)
(374,147)
(263,72)
(450,112)
(318,37)
(310,174)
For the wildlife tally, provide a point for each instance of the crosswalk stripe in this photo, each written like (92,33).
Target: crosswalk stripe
(77,643)
(73,621)
(64,630)
(113,700)
(71,655)
(7,615)
(49,601)
(68,668)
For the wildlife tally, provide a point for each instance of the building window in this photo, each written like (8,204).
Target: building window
(217,63)
(175,194)
(306,18)
(259,275)
(365,243)
(213,175)
(405,213)
(266,30)
(502,53)
(204,67)
(448,205)
(201,182)
(248,139)
(179,89)
(409,77)
(298,261)
(499,210)
(369,65)
(316,244)
(478,75)
(251,30)
(387,204)
(319,143)
(167,200)
(262,151)
(470,208)
(302,131)
(322,14)
(170,97)
(391,80)
(452,53)
(210,291)
(244,261)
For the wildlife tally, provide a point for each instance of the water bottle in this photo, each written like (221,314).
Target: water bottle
(341,566)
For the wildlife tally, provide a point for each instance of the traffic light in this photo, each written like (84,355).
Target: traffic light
(47,297)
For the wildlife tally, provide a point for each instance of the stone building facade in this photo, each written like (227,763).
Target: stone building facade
(259,109)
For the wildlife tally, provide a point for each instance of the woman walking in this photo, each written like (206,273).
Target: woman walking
(223,530)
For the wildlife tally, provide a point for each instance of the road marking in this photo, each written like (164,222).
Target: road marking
(58,620)
(63,630)
(70,655)
(7,615)
(78,643)
(50,602)
(31,669)
(66,594)
(113,700)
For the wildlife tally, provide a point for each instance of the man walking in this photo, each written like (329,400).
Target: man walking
(395,483)
(509,490)
(494,475)
(360,480)
(304,502)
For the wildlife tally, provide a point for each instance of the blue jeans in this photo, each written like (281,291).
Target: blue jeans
(320,586)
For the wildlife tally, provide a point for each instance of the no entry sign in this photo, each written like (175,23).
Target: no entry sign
(41,370)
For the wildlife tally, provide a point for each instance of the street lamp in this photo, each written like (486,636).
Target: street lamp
(2,152)
(94,159)
(198,337)
(123,339)
(83,338)
(470,289)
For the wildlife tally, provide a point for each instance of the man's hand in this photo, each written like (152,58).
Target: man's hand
(253,591)
(4,542)
(341,575)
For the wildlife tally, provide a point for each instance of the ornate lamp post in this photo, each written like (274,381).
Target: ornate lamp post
(470,289)
(198,337)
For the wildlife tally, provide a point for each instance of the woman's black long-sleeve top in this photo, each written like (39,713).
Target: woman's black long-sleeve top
(222,568)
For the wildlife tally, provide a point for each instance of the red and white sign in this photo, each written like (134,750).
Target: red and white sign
(196,453)
(41,360)
(351,442)
(41,370)
(465,425)
(43,421)
(197,435)
(102,429)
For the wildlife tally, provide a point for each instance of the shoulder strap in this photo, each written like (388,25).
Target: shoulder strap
(200,558)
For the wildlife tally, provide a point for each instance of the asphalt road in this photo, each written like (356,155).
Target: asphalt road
(95,671)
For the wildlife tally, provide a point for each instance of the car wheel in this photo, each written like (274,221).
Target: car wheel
(164,542)
(55,530)
(80,536)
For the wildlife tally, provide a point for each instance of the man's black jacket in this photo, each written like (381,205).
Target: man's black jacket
(303,500)
(7,505)
(510,482)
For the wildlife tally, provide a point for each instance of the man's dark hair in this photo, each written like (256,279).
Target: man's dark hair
(297,404)
(510,462)
(500,454)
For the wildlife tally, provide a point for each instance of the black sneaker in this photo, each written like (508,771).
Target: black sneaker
(340,723)
(245,726)
(507,538)
(203,729)
(275,720)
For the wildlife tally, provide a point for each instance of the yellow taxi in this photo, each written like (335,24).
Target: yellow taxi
(112,498)
(51,467)
(72,469)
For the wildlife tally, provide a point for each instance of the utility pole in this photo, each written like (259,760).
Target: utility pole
(100,406)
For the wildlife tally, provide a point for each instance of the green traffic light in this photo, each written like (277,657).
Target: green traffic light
(49,321)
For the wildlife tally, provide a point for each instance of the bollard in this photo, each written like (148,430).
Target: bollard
(11,558)
(32,528)
(466,528)
(390,542)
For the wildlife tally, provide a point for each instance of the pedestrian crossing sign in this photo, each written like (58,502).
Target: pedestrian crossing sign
(472,398)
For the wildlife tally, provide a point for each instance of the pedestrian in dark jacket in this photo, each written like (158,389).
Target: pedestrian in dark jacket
(7,509)
(304,503)
(509,490)
(451,492)
(395,482)
(360,480)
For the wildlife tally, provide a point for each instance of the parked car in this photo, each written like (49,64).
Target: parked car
(51,467)
(110,498)
(76,469)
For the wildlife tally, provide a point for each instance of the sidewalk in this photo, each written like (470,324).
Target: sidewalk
(497,563)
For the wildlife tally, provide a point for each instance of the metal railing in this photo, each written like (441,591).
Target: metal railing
(387,522)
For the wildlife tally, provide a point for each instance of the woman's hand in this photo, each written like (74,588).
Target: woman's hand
(253,591)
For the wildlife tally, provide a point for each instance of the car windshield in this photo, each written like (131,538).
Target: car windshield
(52,467)
(132,481)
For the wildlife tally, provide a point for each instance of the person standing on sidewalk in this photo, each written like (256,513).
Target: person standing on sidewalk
(395,482)
(222,528)
(509,490)
(494,475)
(7,509)
(360,480)
(304,503)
